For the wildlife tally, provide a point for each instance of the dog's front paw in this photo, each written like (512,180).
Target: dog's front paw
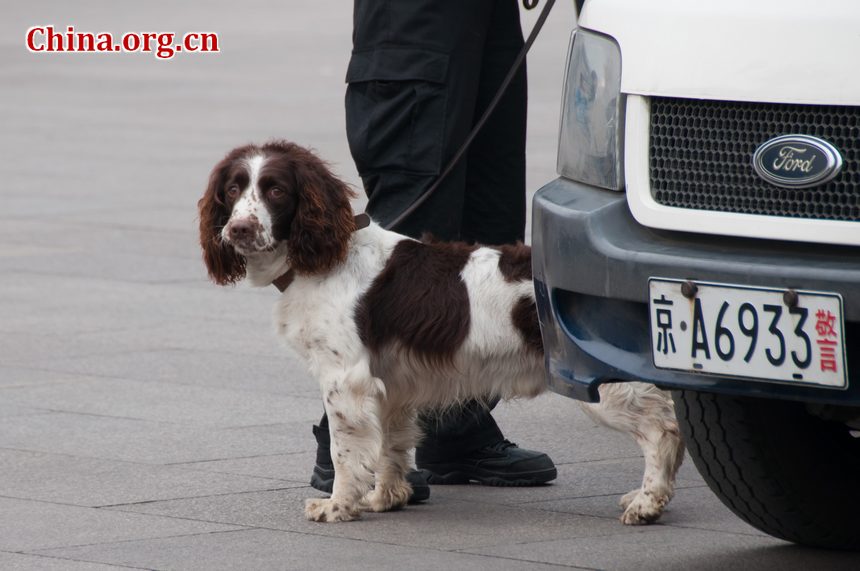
(627,498)
(389,497)
(328,510)
(643,508)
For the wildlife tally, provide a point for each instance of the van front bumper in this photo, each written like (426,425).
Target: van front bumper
(592,262)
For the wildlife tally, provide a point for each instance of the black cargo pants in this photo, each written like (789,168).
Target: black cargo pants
(421,74)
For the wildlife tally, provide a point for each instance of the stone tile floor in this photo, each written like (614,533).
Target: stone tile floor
(149,419)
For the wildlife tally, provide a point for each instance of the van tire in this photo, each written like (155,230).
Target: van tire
(778,467)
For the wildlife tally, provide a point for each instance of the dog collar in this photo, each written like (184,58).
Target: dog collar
(283,281)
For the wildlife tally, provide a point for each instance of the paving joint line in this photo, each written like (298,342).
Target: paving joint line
(58,558)
(136,462)
(113,507)
(238,458)
(509,558)
(609,495)
(97,544)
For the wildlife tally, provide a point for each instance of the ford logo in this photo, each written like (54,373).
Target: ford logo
(797,161)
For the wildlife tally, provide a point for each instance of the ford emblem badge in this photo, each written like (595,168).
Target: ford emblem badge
(796,161)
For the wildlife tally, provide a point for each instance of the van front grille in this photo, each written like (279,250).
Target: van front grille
(701,157)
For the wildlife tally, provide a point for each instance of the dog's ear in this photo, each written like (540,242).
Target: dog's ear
(321,228)
(225,265)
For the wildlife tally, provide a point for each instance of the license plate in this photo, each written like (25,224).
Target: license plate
(754,333)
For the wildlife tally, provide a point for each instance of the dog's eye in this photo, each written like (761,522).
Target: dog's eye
(275,192)
(232,191)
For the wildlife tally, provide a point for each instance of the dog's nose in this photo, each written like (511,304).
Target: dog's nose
(241,230)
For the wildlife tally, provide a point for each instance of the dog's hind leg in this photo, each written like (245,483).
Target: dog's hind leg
(661,448)
(352,402)
(647,414)
(400,434)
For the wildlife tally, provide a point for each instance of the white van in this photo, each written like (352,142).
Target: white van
(704,235)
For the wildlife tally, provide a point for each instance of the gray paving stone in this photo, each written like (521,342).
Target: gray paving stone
(694,507)
(28,206)
(26,250)
(93,482)
(441,523)
(22,562)
(22,377)
(148,442)
(277,550)
(275,374)
(168,218)
(117,304)
(294,467)
(667,547)
(166,402)
(11,409)
(217,369)
(603,481)
(153,268)
(190,334)
(86,305)
(93,239)
(35,348)
(95,317)
(28,525)
(221,347)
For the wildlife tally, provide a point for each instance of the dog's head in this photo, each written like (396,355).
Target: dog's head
(262,197)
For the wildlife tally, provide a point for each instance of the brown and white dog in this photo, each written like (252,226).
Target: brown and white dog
(389,325)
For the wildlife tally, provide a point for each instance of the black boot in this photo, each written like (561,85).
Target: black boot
(322,478)
(465,445)
(502,463)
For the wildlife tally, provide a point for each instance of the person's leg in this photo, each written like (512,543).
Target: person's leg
(494,208)
(410,102)
(404,128)
(467,444)
(457,431)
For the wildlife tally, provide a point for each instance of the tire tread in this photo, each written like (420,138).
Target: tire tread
(764,478)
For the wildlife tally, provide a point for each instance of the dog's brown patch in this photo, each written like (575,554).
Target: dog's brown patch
(524,316)
(515,262)
(314,216)
(418,300)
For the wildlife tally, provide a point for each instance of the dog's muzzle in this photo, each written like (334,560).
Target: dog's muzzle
(246,235)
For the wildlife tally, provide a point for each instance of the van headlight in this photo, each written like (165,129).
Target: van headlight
(592,117)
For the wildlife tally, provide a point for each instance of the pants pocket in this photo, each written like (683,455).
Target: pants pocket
(395,110)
